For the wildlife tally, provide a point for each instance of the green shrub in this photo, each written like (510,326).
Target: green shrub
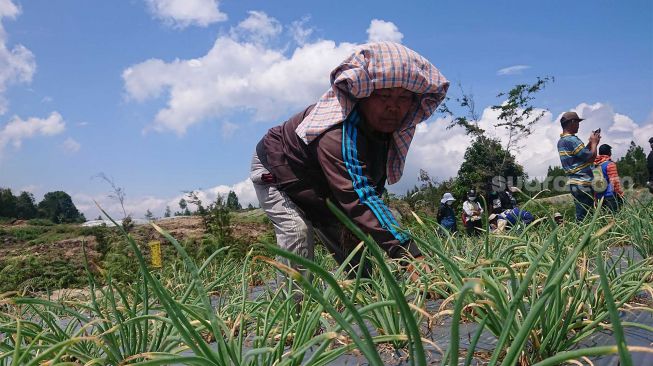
(40,222)
(38,274)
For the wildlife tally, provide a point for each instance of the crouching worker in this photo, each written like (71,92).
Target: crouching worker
(508,219)
(446,214)
(343,149)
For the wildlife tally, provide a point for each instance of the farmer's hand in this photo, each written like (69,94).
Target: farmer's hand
(417,268)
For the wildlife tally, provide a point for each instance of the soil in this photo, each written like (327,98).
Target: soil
(181,228)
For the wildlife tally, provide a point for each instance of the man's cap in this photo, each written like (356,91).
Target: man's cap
(650,140)
(557,214)
(471,193)
(605,149)
(570,116)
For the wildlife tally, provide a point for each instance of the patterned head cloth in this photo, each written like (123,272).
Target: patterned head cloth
(377,66)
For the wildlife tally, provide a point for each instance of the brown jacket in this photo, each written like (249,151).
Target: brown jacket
(311,174)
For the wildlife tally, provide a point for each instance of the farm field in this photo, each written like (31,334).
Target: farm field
(543,294)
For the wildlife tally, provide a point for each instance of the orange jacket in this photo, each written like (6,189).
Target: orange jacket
(613,175)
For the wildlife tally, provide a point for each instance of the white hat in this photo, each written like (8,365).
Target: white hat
(447,197)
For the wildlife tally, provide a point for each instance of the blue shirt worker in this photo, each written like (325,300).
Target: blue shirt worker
(577,160)
(446,213)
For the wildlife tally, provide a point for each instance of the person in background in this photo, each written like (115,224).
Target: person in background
(577,160)
(472,212)
(557,217)
(496,224)
(508,200)
(613,194)
(446,214)
(494,200)
(343,149)
(517,215)
(649,165)
(508,219)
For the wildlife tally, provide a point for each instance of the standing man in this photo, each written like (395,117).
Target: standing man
(613,193)
(649,164)
(576,160)
(343,149)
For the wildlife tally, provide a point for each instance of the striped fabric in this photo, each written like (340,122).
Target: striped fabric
(377,66)
(576,160)
(366,191)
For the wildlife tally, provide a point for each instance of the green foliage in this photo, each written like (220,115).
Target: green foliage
(102,236)
(167,212)
(517,114)
(215,217)
(7,203)
(22,233)
(469,119)
(40,222)
(59,208)
(485,159)
(120,267)
(25,206)
(633,165)
(232,202)
(38,274)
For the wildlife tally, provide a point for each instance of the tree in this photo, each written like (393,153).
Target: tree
(632,166)
(517,114)
(469,119)
(486,160)
(149,215)
(167,213)
(250,206)
(232,201)
(183,206)
(118,192)
(215,217)
(26,206)
(58,207)
(7,203)
(487,164)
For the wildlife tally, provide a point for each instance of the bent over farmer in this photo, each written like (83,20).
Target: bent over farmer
(344,148)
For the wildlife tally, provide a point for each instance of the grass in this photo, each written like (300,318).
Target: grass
(540,290)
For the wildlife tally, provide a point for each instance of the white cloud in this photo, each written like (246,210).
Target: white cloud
(257,28)
(228,129)
(183,13)
(440,151)
(71,146)
(380,30)
(236,76)
(16,64)
(622,124)
(137,206)
(300,33)
(16,130)
(513,70)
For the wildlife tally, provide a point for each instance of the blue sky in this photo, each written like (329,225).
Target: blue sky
(166,96)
